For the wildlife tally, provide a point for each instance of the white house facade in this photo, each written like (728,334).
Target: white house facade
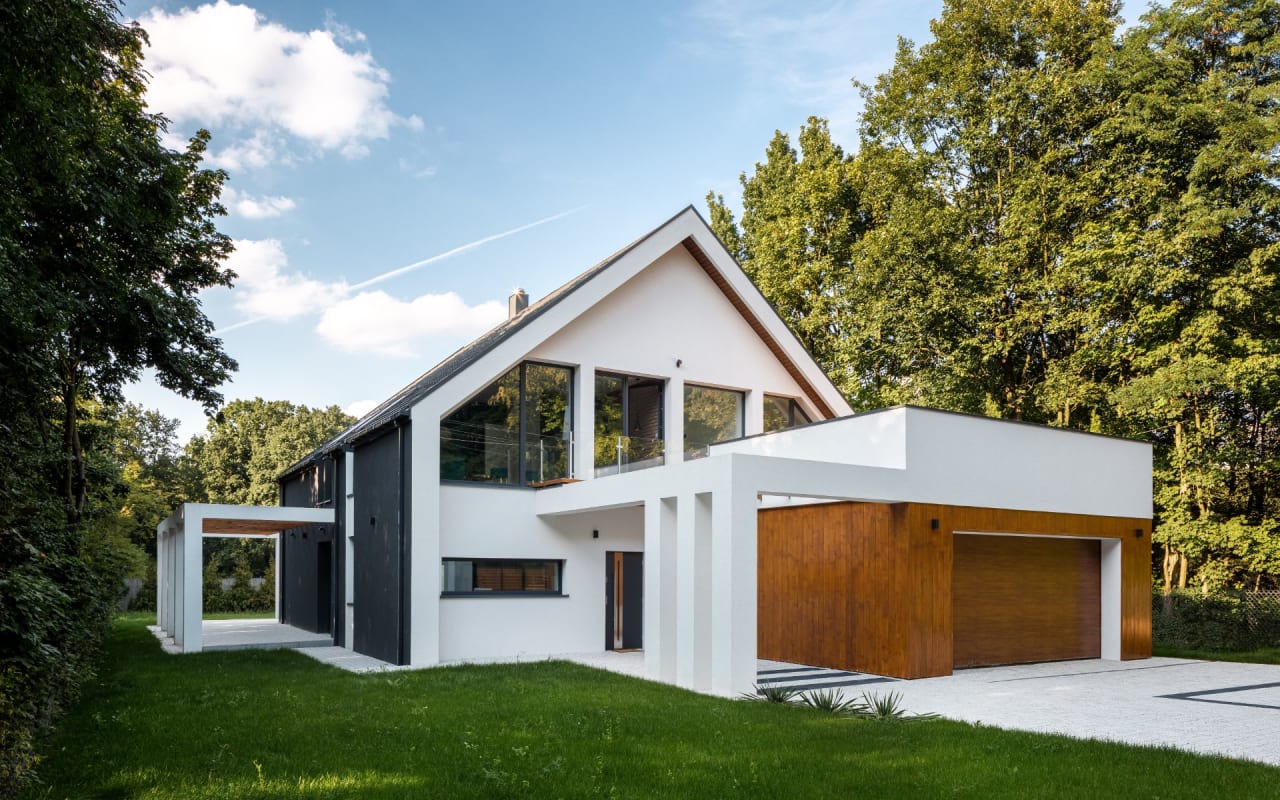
(648,459)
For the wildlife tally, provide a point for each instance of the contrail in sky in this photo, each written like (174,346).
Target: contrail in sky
(395,273)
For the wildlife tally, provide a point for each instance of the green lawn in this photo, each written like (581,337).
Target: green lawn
(1263,655)
(275,724)
(230,615)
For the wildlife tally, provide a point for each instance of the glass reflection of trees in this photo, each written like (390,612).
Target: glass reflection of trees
(516,430)
(710,415)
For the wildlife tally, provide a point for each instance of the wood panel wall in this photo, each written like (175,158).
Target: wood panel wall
(867,586)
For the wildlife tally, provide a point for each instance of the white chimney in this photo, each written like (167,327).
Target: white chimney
(518,302)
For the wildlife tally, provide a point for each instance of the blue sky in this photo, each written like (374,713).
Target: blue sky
(364,137)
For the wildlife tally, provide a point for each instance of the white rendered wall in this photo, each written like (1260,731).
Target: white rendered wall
(671,311)
(876,439)
(962,460)
(488,522)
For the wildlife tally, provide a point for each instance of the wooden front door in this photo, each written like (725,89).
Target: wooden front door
(624,600)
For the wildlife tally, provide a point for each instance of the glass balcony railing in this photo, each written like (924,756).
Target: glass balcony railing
(619,454)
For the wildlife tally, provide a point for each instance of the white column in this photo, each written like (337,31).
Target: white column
(279,537)
(693,591)
(753,422)
(424,555)
(673,417)
(1110,598)
(179,582)
(660,619)
(161,571)
(193,582)
(733,586)
(584,422)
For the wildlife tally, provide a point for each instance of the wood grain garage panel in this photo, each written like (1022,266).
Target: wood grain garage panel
(1018,599)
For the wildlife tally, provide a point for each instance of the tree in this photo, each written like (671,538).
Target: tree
(1061,224)
(249,442)
(801,218)
(106,239)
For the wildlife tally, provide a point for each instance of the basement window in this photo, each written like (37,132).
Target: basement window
(468,577)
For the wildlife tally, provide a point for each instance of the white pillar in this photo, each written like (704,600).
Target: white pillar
(693,591)
(733,586)
(753,416)
(192,582)
(1110,597)
(584,422)
(660,618)
(161,571)
(423,574)
(673,416)
(279,537)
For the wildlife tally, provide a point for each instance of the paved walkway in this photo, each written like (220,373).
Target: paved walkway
(247,634)
(1210,707)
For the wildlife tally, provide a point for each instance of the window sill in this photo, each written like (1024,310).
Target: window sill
(502,594)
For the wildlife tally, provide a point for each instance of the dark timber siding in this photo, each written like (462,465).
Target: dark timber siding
(310,591)
(381,546)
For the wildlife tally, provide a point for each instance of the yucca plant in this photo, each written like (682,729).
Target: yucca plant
(888,708)
(771,693)
(831,701)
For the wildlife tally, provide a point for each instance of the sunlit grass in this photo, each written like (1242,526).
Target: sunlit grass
(276,724)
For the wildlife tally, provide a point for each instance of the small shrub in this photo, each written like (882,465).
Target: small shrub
(888,708)
(831,701)
(771,693)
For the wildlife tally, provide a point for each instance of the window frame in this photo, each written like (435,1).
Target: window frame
(793,408)
(559,592)
(684,413)
(521,432)
(663,385)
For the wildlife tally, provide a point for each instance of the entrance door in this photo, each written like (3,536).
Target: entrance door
(624,600)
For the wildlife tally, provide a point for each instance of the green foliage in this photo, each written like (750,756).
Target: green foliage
(1223,621)
(1048,219)
(832,701)
(106,239)
(263,723)
(249,442)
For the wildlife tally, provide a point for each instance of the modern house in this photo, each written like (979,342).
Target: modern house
(648,459)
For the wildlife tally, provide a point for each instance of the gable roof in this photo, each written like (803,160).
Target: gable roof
(398,405)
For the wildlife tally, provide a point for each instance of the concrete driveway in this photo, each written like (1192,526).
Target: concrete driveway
(1209,707)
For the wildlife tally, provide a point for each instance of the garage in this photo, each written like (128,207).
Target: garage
(1021,599)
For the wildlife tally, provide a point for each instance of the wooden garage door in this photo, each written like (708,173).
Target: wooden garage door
(1018,599)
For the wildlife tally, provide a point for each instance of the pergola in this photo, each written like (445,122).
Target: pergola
(180,557)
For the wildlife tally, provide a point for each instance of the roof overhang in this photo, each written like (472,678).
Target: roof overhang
(223,519)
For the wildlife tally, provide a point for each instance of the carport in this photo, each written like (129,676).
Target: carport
(180,558)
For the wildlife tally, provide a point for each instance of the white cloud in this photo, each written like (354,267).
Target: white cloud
(227,67)
(379,323)
(264,290)
(250,207)
(358,408)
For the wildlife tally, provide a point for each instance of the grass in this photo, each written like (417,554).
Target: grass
(276,724)
(232,615)
(1263,655)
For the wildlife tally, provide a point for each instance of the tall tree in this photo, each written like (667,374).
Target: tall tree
(801,219)
(249,442)
(106,239)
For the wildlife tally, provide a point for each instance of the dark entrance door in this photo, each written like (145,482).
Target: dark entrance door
(624,600)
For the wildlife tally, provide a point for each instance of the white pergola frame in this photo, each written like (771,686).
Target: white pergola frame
(180,557)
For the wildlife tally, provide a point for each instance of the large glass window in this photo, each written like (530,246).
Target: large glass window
(518,430)
(503,576)
(710,415)
(783,412)
(628,423)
